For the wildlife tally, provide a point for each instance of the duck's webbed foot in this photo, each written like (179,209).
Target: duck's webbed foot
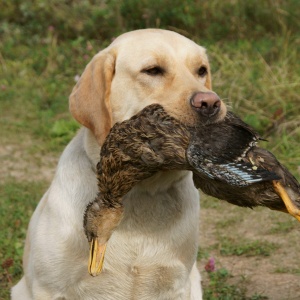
(290,206)
(99,223)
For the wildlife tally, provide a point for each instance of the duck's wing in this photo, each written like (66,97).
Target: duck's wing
(236,173)
(218,151)
(223,142)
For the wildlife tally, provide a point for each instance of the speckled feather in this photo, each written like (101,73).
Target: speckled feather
(257,194)
(224,158)
(218,150)
(134,150)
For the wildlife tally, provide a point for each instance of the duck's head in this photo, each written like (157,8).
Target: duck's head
(100,220)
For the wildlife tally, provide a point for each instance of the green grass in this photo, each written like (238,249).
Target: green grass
(254,53)
(219,288)
(248,248)
(288,270)
(256,71)
(284,227)
(218,283)
(18,201)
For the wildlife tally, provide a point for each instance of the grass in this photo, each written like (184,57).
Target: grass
(218,283)
(253,49)
(245,247)
(288,270)
(252,246)
(219,288)
(283,227)
(18,201)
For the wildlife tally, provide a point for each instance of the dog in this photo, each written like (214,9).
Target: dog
(152,254)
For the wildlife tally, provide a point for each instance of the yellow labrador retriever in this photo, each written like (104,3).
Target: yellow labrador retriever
(152,254)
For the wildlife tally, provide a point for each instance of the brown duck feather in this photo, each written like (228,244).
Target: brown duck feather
(153,141)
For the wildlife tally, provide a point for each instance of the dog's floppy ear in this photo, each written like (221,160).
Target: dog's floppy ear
(89,101)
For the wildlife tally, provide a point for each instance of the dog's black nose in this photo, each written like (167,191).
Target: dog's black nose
(206,103)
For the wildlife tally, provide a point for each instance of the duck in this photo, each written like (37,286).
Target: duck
(133,150)
(224,158)
(229,165)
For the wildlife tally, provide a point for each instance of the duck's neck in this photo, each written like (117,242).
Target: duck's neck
(160,202)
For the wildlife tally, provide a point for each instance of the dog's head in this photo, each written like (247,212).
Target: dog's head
(144,67)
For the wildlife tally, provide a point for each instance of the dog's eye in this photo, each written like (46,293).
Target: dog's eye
(202,71)
(154,71)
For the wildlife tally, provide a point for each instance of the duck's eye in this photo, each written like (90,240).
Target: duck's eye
(202,71)
(154,71)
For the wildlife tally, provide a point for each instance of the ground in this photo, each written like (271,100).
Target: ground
(257,248)
(269,268)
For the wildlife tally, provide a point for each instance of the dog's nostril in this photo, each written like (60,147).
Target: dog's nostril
(217,104)
(203,104)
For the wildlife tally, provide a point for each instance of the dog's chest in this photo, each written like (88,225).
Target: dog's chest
(151,253)
(140,268)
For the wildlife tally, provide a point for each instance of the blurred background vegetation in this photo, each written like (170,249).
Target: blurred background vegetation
(253,48)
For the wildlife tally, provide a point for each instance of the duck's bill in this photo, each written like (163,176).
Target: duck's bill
(96,258)
(290,206)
